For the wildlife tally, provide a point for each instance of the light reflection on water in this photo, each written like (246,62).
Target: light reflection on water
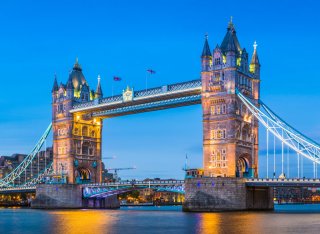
(158,220)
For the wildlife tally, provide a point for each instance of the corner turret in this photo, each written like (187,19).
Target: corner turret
(55,84)
(98,93)
(206,56)
(255,64)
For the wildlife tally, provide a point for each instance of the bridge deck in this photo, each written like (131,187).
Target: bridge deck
(164,97)
(274,182)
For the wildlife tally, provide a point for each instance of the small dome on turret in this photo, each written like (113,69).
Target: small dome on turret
(76,76)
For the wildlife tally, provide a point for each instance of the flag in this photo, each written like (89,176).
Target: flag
(151,71)
(116,78)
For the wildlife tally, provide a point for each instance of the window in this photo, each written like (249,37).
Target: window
(78,148)
(93,133)
(85,149)
(223,151)
(85,131)
(217,77)
(223,157)
(91,151)
(223,108)
(218,155)
(213,110)
(218,110)
(212,134)
(217,61)
(219,134)
(224,134)
(76,131)
(60,108)
(218,165)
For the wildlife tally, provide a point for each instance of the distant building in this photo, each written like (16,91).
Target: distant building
(194,173)
(39,163)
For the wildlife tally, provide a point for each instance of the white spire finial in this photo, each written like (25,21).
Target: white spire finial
(99,78)
(206,36)
(255,45)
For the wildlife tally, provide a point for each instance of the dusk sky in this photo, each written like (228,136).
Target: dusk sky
(124,38)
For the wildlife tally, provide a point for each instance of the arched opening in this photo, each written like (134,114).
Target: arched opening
(83,175)
(242,167)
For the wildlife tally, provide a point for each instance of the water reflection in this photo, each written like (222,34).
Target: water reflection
(82,221)
(228,222)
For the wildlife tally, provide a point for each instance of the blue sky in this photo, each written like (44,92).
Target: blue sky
(124,38)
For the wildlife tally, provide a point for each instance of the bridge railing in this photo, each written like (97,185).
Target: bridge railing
(283,180)
(172,88)
(18,188)
(153,182)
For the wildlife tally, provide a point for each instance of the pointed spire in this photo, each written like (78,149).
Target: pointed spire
(98,93)
(206,49)
(76,65)
(230,24)
(255,64)
(255,58)
(230,41)
(55,84)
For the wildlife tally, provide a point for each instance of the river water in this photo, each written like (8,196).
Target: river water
(285,219)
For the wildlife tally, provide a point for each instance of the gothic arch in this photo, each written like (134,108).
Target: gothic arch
(83,175)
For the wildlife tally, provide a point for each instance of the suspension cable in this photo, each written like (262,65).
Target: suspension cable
(288,166)
(302,175)
(282,158)
(267,153)
(45,154)
(274,156)
(38,164)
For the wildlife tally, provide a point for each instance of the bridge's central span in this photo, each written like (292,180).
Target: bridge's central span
(131,102)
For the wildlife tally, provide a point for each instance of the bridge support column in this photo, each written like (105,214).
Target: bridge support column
(57,196)
(224,194)
(69,196)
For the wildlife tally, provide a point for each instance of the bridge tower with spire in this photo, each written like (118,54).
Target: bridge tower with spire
(230,133)
(76,137)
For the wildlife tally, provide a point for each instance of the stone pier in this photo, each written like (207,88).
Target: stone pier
(69,196)
(225,194)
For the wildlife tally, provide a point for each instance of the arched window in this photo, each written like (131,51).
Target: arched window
(218,155)
(93,133)
(91,151)
(85,148)
(219,134)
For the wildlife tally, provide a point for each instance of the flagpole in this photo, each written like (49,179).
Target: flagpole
(112,90)
(147,81)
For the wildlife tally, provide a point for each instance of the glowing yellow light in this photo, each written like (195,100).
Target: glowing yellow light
(238,61)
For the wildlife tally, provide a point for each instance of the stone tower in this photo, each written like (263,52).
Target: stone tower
(230,133)
(76,137)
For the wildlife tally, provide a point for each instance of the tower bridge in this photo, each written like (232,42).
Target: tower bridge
(229,92)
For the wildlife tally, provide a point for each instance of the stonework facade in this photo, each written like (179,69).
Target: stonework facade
(76,137)
(230,133)
(225,194)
